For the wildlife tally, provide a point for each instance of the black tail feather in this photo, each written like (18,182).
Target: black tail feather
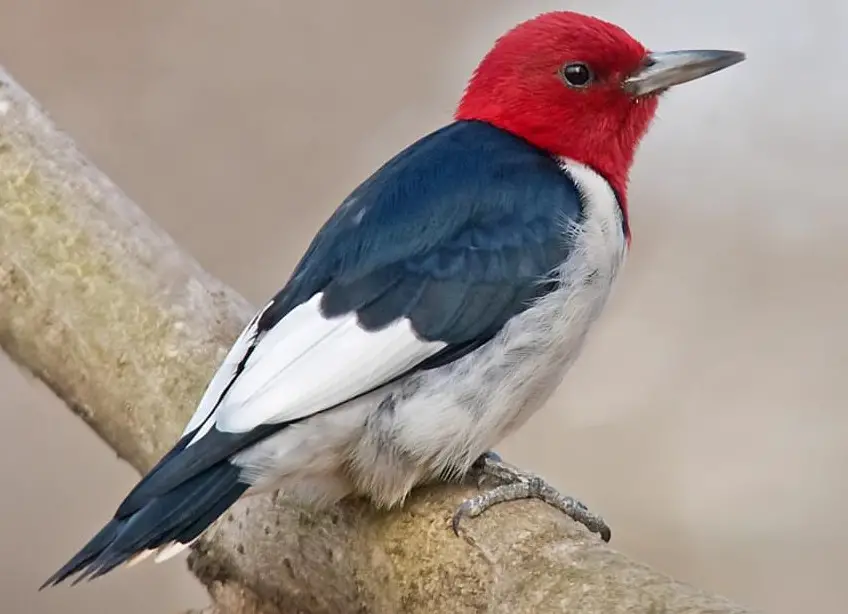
(179,515)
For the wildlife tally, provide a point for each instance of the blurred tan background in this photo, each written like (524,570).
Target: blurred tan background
(707,418)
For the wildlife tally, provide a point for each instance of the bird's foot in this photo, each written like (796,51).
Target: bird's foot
(515,484)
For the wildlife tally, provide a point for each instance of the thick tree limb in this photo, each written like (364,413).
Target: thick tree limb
(102,306)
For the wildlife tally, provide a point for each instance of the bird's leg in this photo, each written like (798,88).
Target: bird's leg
(515,484)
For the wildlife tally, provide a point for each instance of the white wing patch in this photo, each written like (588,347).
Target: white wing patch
(224,374)
(307,363)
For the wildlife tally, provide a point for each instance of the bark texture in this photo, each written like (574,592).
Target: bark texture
(126,328)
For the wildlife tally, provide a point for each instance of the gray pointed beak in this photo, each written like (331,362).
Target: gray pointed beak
(665,69)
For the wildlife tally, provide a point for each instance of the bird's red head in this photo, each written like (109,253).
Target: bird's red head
(556,81)
(579,87)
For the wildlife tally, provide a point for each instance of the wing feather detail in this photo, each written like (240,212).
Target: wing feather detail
(308,363)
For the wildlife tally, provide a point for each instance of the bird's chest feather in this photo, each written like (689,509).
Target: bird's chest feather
(501,384)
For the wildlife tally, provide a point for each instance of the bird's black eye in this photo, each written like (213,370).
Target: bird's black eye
(576,75)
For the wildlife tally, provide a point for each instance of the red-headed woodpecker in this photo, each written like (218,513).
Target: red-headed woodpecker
(437,308)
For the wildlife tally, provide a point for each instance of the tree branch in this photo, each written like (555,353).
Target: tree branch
(104,307)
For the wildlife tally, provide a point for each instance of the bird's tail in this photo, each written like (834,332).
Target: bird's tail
(166,525)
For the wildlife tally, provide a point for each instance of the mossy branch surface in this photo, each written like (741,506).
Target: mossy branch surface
(121,324)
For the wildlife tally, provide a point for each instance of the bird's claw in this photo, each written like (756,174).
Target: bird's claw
(514,485)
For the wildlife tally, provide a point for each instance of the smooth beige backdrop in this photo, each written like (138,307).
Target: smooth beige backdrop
(707,418)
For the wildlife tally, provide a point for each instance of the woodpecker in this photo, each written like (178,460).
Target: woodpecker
(436,309)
